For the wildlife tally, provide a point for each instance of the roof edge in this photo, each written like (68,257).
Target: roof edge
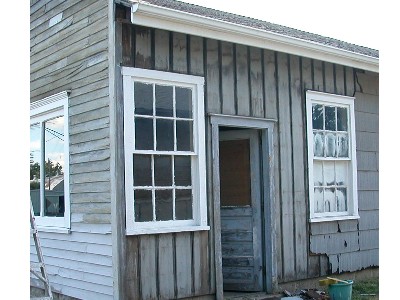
(150,15)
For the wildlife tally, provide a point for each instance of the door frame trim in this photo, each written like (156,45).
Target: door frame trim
(267,149)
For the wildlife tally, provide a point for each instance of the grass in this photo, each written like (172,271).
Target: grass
(366,289)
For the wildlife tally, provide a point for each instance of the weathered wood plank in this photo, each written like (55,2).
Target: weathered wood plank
(90,156)
(161,52)
(166,267)
(127,44)
(299,192)
(200,262)
(132,267)
(313,266)
(89,167)
(90,146)
(286,170)
(242,82)
(369,219)
(335,243)
(90,187)
(350,81)
(367,83)
(91,208)
(90,198)
(148,271)
(368,200)
(179,53)
(367,122)
(143,57)
(196,56)
(89,136)
(329,78)
(256,83)
(89,116)
(228,80)
(183,264)
(369,239)
(91,218)
(91,104)
(89,126)
(318,81)
(90,177)
(367,141)
(366,103)
(212,87)
(368,180)
(270,106)
(367,161)
(339,79)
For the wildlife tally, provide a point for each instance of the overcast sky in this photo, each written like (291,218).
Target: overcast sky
(351,21)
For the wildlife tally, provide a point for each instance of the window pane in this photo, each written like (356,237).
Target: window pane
(183,102)
(318,200)
(317,116)
(162,170)
(329,200)
(330,150)
(330,118)
(343,145)
(54,167)
(164,205)
(144,134)
(164,101)
(183,205)
(319,144)
(143,206)
(35,154)
(341,194)
(329,173)
(165,135)
(341,172)
(318,178)
(342,119)
(143,98)
(142,170)
(184,135)
(183,171)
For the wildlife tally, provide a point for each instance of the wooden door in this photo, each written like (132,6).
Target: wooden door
(241,239)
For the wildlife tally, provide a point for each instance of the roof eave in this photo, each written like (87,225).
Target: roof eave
(146,14)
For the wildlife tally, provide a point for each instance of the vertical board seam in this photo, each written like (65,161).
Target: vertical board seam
(153,48)
(139,267)
(205,74)
(345,80)
(157,264)
(312,74)
(171,52)
(323,77)
(221,100)
(133,50)
(249,80)
(334,79)
(192,268)
(235,80)
(188,56)
(174,265)
(263,83)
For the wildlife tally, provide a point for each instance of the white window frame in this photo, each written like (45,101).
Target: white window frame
(196,83)
(313,97)
(41,111)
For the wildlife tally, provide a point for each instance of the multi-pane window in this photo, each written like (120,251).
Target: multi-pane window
(49,162)
(332,159)
(164,151)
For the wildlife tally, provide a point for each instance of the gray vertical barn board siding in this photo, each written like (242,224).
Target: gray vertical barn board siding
(200,262)
(212,77)
(340,79)
(242,82)
(329,78)
(179,53)
(228,80)
(270,105)
(148,270)
(323,265)
(161,55)
(256,82)
(143,53)
(183,264)
(132,267)
(166,277)
(350,82)
(196,56)
(127,45)
(286,171)
(299,193)
(318,76)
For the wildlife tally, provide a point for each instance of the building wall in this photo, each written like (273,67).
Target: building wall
(73,55)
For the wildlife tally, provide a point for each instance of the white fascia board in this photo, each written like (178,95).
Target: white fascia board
(149,15)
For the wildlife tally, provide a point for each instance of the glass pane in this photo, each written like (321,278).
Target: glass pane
(342,119)
(318,177)
(318,200)
(341,194)
(329,200)
(184,135)
(164,101)
(341,172)
(183,102)
(54,167)
(319,144)
(183,204)
(162,170)
(330,149)
(329,173)
(143,206)
(317,116)
(35,155)
(165,135)
(330,118)
(343,145)
(164,205)
(142,170)
(144,134)
(143,95)
(183,176)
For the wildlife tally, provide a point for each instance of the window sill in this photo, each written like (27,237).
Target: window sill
(53,229)
(140,231)
(335,218)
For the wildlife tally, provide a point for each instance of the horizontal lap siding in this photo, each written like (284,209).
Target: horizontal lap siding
(73,55)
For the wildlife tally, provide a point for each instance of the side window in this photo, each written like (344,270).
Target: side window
(49,162)
(331,157)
